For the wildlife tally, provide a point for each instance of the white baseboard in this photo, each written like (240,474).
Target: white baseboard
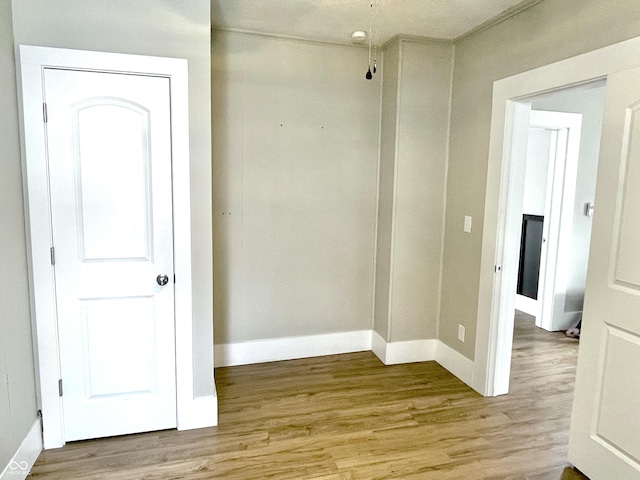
(202,413)
(455,363)
(410,351)
(379,346)
(26,455)
(392,353)
(277,349)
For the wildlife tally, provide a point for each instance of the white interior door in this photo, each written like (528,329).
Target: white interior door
(540,153)
(564,154)
(550,185)
(109,154)
(605,437)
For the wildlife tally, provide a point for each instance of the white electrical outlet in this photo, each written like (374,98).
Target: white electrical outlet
(467,224)
(461,331)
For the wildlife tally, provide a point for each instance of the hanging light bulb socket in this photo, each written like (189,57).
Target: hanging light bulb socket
(369,74)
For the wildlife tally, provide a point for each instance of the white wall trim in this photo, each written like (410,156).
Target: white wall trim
(411,351)
(21,463)
(32,60)
(379,346)
(393,353)
(199,412)
(455,362)
(277,349)
(423,351)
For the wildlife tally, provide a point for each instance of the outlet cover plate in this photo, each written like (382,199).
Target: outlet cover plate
(467,224)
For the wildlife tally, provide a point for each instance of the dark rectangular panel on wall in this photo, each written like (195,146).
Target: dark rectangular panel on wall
(530,248)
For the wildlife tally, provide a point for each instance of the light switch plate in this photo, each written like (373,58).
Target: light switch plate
(467,224)
(461,332)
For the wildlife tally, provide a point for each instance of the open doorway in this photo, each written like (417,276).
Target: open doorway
(512,108)
(548,198)
(558,170)
(558,203)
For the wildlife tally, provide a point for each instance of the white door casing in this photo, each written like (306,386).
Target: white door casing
(605,438)
(109,158)
(191,412)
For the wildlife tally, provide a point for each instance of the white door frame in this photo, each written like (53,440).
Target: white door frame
(32,62)
(495,293)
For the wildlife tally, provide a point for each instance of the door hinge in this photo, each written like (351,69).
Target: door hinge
(60,387)
(45,117)
(174,278)
(52,251)
(41,422)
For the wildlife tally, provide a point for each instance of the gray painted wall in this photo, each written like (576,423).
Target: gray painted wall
(547,32)
(295,155)
(295,148)
(415,122)
(388,143)
(423,128)
(18,410)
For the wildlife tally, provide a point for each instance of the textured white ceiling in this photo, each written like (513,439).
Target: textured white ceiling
(335,20)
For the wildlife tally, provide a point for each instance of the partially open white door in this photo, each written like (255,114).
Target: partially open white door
(109,158)
(562,171)
(605,432)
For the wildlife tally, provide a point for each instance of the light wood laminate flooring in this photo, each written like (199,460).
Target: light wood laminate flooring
(350,417)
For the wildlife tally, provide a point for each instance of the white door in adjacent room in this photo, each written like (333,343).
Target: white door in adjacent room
(605,438)
(108,138)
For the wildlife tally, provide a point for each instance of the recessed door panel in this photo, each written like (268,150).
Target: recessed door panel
(126,326)
(628,255)
(618,388)
(112,168)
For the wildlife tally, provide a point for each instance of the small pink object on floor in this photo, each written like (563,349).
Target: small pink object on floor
(573,333)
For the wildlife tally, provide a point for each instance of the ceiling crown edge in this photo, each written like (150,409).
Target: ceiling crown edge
(507,14)
(290,38)
(416,39)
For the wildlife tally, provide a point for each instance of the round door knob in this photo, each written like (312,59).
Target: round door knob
(162,279)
